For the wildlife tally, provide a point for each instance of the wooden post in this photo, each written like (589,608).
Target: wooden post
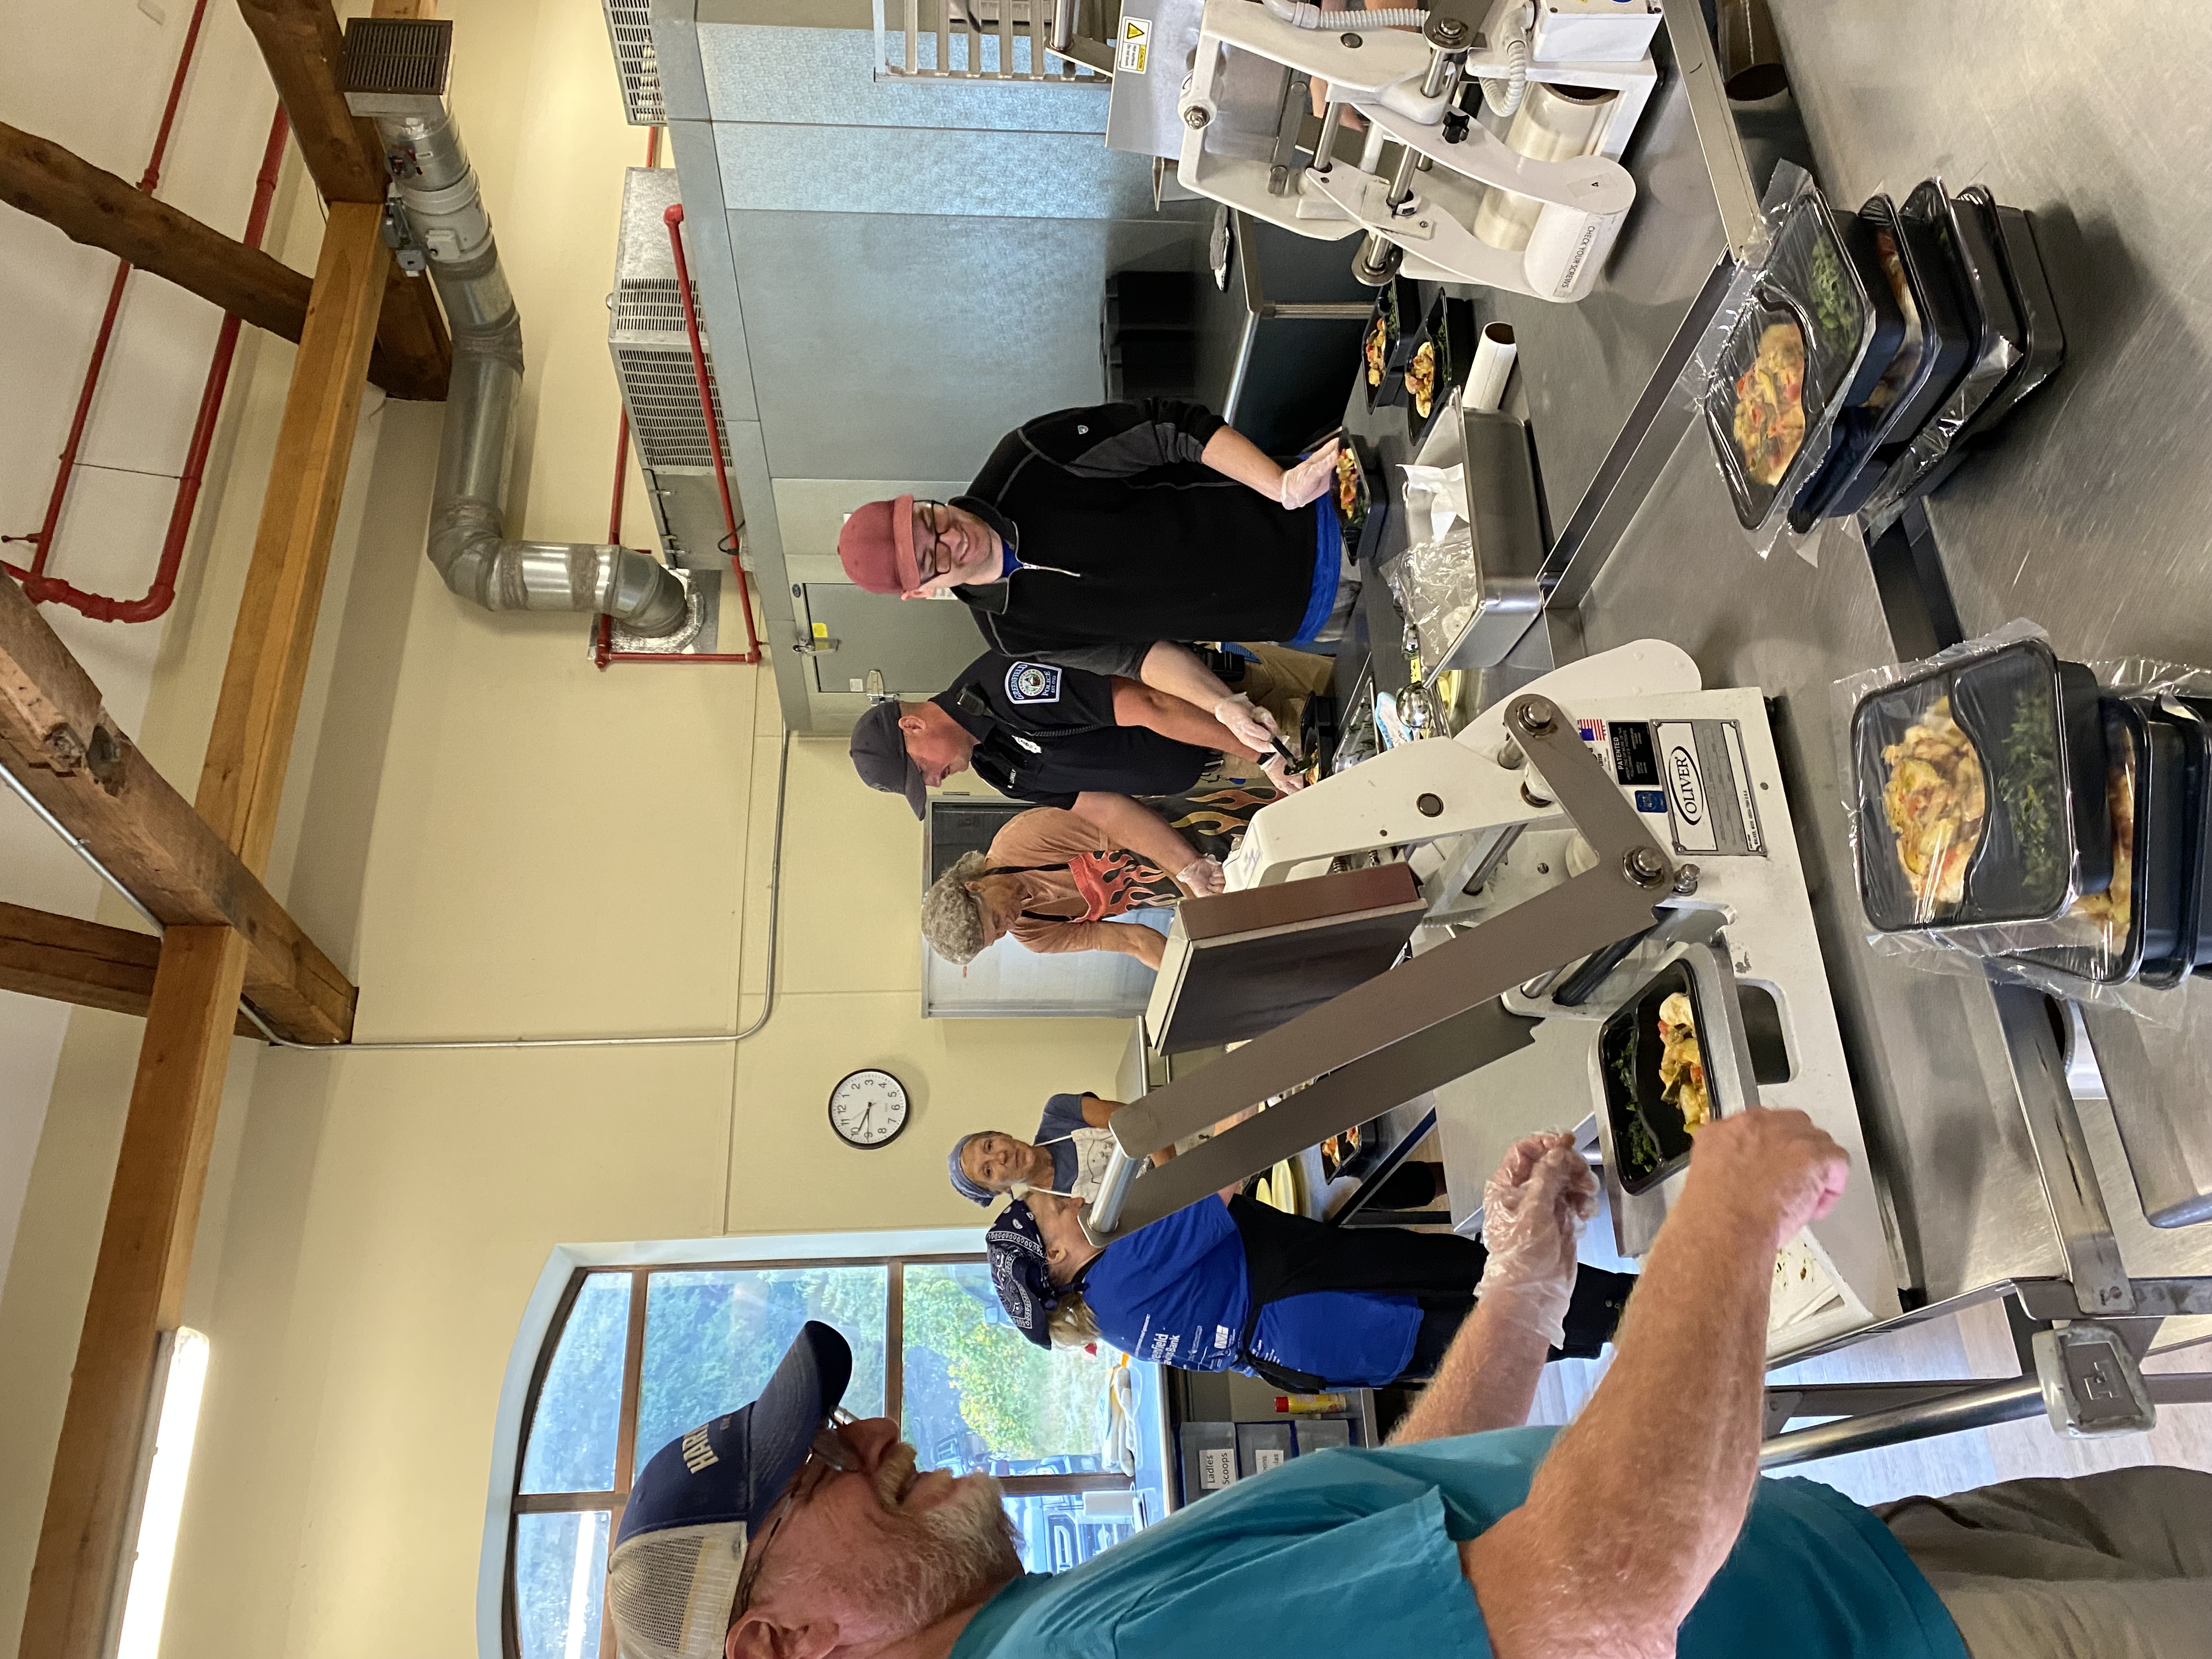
(146,1247)
(137,1288)
(252,741)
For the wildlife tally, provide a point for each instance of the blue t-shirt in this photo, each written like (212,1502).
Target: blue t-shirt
(1177,1292)
(1351,1554)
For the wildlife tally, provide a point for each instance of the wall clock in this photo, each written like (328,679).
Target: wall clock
(868,1109)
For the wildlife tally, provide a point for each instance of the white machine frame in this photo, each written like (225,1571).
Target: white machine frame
(1584,199)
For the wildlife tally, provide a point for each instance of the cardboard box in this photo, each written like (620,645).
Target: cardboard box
(1209,1459)
(1261,1447)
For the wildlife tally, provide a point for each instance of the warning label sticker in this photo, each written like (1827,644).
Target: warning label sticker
(1135,41)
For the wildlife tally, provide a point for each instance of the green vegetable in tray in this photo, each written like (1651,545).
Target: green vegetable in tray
(1641,1154)
(2029,788)
(1832,295)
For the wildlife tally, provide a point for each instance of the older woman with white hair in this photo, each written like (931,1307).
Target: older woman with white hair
(1055,879)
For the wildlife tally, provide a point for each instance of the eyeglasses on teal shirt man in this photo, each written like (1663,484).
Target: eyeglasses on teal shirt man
(1644,1530)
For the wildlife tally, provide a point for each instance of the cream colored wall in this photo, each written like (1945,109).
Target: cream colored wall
(498,840)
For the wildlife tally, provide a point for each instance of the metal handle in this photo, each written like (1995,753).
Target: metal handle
(1104,1215)
(1063,24)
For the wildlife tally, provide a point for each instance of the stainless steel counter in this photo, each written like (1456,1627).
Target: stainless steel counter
(2087,518)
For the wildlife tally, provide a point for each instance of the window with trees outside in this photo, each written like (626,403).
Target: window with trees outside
(638,1356)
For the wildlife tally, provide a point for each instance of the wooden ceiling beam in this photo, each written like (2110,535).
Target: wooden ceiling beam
(94,206)
(88,964)
(59,740)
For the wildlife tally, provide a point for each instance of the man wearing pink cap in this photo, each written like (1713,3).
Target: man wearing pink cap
(1093,538)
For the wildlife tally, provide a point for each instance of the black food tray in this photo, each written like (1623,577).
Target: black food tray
(1809,263)
(2035,726)
(2148,754)
(2039,312)
(1848,444)
(1944,345)
(1450,327)
(1362,527)
(2000,345)
(1766,306)
(2195,947)
(1650,1142)
(1396,306)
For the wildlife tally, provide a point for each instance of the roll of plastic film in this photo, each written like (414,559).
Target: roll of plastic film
(1553,124)
(1493,364)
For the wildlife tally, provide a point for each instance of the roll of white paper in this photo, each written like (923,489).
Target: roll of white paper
(1492,367)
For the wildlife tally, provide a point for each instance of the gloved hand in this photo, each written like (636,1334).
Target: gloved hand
(1247,723)
(1278,773)
(1533,1212)
(1308,481)
(1202,877)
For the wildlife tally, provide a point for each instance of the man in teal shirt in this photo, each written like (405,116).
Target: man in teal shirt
(776,1533)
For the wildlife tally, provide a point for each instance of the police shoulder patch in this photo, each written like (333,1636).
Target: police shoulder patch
(1032,682)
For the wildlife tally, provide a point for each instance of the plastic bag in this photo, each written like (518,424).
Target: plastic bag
(1980,789)
(1436,588)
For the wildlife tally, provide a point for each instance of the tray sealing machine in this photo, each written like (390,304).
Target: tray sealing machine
(1615,814)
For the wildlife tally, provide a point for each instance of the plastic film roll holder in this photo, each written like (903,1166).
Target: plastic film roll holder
(1535,211)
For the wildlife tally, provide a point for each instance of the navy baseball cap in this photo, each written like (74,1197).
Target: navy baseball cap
(673,1568)
(879,752)
(1019,1274)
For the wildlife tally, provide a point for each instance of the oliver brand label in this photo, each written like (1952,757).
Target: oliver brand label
(1694,771)
(1709,804)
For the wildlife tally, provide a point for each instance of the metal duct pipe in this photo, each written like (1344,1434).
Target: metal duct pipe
(469,542)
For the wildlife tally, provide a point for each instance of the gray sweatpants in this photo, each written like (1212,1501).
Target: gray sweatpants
(2113,1566)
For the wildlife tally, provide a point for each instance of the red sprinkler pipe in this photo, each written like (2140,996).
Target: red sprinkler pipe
(158,598)
(43,537)
(674,219)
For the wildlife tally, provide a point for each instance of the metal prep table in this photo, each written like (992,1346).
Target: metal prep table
(1994,1178)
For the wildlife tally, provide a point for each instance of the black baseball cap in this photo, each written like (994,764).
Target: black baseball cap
(879,751)
(673,1570)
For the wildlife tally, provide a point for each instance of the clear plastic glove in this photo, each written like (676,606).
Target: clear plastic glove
(1203,876)
(1247,723)
(1533,1213)
(1308,481)
(1278,772)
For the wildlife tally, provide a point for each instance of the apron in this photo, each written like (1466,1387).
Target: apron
(1110,884)
(1287,1255)
(1092,1149)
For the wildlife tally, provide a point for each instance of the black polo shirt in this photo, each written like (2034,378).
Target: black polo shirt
(1122,537)
(1046,733)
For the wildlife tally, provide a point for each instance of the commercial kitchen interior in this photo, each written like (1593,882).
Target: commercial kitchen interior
(500,825)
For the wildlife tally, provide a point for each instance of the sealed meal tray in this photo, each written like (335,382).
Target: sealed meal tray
(1847,449)
(2022,263)
(1956,232)
(1360,501)
(1967,776)
(1657,1094)
(2139,915)
(1934,353)
(1388,340)
(1808,262)
(1756,408)
(1442,353)
(2194,949)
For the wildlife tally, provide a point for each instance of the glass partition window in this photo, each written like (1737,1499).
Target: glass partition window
(640,1355)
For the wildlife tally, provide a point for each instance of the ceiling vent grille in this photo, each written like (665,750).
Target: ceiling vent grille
(637,66)
(395,65)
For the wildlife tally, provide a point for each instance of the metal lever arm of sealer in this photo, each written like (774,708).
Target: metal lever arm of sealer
(1405,1031)
(1402,83)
